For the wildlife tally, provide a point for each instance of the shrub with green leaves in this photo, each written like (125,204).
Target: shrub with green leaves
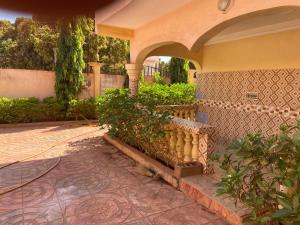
(264,174)
(175,94)
(82,109)
(26,110)
(134,120)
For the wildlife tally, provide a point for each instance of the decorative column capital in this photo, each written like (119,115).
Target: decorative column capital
(95,64)
(134,71)
(95,67)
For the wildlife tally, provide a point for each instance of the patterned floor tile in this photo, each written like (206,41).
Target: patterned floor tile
(93,184)
(192,215)
(13,217)
(155,197)
(101,208)
(11,200)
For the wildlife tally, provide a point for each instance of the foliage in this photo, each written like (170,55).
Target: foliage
(158,79)
(25,110)
(92,41)
(256,166)
(179,70)
(114,53)
(69,65)
(133,119)
(82,109)
(175,94)
(27,44)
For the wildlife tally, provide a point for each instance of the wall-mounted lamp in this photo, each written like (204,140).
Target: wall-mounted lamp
(223,5)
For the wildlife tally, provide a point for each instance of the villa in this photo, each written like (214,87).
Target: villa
(245,57)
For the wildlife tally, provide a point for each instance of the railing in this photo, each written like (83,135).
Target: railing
(182,111)
(150,71)
(187,141)
(190,140)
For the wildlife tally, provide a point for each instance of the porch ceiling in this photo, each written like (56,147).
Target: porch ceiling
(272,22)
(132,14)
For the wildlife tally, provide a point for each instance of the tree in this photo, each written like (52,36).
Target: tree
(113,52)
(27,44)
(70,64)
(7,43)
(179,70)
(92,42)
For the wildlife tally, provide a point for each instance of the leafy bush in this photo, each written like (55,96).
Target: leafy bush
(134,120)
(82,109)
(256,167)
(174,94)
(25,110)
(158,79)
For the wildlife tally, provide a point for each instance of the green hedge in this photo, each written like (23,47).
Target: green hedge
(175,94)
(26,110)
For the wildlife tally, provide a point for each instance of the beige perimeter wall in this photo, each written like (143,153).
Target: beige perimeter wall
(26,83)
(17,83)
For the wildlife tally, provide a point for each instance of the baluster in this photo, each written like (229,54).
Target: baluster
(184,114)
(187,147)
(193,115)
(179,144)
(181,112)
(172,139)
(187,114)
(167,132)
(195,149)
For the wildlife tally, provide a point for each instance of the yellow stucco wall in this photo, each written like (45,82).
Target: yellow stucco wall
(271,51)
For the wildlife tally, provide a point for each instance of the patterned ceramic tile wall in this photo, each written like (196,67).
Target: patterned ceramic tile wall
(234,114)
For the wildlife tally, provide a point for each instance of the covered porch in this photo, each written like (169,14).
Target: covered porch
(246,55)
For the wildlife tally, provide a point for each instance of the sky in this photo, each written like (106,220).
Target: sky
(11,16)
(165,58)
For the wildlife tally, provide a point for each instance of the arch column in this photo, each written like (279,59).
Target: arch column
(134,73)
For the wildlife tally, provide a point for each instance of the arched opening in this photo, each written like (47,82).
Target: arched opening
(152,57)
(254,19)
(251,73)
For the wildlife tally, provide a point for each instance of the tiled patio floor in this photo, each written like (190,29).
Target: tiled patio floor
(93,183)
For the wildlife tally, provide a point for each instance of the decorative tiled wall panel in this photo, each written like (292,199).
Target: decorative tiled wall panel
(234,114)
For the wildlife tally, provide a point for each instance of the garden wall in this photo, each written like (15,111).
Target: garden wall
(111,81)
(237,103)
(17,83)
